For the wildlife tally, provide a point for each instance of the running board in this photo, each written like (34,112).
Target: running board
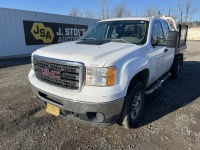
(157,84)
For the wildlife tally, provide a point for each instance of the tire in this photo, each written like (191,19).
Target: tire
(133,106)
(176,66)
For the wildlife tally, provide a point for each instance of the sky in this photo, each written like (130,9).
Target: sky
(64,6)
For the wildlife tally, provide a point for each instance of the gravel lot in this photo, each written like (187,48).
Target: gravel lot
(171,119)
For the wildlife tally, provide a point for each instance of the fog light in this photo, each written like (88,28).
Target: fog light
(100,117)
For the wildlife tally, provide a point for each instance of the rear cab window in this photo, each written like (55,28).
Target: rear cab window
(165,27)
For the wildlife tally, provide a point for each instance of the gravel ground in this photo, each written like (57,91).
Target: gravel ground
(171,119)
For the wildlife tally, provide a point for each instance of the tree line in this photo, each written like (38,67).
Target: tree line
(183,12)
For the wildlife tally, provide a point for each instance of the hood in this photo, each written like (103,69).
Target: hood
(90,55)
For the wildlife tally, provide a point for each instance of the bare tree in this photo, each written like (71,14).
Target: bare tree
(172,13)
(152,12)
(136,13)
(180,11)
(121,10)
(188,7)
(169,12)
(128,13)
(74,12)
(89,13)
(186,10)
(104,11)
(190,10)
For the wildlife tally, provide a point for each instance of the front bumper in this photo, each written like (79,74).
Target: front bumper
(98,114)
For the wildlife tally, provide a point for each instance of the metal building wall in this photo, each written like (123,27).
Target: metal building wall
(12,38)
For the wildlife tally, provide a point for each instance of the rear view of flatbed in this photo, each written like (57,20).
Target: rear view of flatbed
(182,45)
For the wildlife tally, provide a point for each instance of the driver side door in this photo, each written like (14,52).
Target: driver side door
(161,51)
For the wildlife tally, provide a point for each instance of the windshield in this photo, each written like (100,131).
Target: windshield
(134,32)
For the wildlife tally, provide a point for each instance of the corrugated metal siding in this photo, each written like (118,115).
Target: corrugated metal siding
(12,39)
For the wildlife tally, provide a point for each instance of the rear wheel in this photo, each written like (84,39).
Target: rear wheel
(176,67)
(133,106)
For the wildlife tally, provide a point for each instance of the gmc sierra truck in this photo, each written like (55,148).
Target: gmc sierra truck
(103,77)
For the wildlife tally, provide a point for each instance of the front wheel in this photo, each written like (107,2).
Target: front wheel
(133,106)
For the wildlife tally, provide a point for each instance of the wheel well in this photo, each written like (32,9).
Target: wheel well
(142,76)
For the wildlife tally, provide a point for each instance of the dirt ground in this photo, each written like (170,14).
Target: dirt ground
(171,119)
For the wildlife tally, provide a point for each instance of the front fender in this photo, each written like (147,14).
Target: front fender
(128,67)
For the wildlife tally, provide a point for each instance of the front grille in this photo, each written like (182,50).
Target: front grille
(57,72)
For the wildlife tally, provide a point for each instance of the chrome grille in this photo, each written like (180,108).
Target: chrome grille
(62,73)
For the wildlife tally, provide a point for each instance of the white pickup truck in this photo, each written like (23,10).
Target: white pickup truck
(103,77)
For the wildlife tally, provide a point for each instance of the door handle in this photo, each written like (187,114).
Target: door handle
(166,50)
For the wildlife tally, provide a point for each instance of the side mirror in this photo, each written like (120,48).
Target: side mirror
(172,39)
(154,41)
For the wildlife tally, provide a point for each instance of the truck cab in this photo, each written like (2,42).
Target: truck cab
(103,77)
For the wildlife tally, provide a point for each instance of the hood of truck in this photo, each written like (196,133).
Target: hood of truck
(90,55)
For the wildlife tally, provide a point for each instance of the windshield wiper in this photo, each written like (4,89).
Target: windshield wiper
(121,40)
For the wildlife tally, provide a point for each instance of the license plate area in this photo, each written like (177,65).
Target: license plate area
(54,110)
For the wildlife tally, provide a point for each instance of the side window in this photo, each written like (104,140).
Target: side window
(166,27)
(157,31)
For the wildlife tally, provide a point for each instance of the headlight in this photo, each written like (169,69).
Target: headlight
(100,76)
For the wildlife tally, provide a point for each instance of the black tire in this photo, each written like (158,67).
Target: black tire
(129,117)
(176,66)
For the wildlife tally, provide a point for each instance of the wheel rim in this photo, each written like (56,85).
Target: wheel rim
(136,105)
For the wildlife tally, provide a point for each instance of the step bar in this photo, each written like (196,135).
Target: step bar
(157,84)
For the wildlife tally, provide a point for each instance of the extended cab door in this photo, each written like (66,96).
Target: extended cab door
(159,53)
(170,52)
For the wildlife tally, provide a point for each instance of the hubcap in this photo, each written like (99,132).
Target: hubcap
(136,105)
